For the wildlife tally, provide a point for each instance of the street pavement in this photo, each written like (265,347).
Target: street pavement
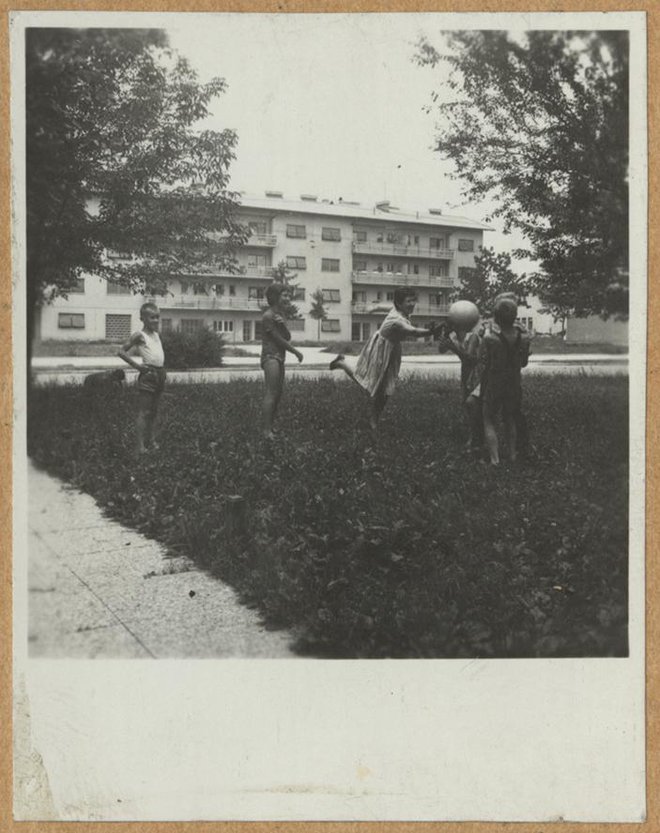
(99,590)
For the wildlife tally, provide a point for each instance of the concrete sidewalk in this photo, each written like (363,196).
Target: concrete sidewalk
(98,589)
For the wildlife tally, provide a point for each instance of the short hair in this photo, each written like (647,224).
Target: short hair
(401,293)
(505,312)
(274,293)
(149,305)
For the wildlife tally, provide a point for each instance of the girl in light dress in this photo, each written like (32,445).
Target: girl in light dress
(379,362)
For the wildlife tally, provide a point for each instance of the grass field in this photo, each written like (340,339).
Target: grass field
(398,547)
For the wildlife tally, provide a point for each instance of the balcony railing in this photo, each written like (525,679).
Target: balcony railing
(212,302)
(399,279)
(382,308)
(400,250)
(269,240)
(430,309)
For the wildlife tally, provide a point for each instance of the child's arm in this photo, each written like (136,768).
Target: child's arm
(133,341)
(284,344)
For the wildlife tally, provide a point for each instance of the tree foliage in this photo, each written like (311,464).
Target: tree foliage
(317,310)
(282,275)
(538,124)
(115,163)
(492,274)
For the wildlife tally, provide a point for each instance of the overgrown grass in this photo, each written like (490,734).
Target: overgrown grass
(399,547)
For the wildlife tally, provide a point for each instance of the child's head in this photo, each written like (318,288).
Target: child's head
(505,312)
(150,315)
(274,294)
(405,299)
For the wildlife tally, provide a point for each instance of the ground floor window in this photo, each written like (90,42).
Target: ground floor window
(528,323)
(296,324)
(360,331)
(257,330)
(330,325)
(247,331)
(117,327)
(223,326)
(71,321)
(191,325)
(166,325)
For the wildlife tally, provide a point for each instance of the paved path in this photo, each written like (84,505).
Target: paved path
(98,589)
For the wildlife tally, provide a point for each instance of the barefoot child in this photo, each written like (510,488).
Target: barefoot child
(465,344)
(380,360)
(504,351)
(151,373)
(276,343)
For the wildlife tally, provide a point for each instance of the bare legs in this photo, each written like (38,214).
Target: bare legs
(376,403)
(146,420)
(274,378)
(475,421)
(492,443)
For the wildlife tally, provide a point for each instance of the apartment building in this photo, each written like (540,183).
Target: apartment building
(355,254)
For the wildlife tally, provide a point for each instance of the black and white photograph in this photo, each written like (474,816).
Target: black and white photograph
(329,349)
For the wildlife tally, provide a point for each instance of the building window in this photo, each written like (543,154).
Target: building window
(465,245)
(296,231)
(191,325)
(256,262)
(113,288)
(359,296)
(232,289)
(437,243)
(78,287)
(329,264)
(185,287)
(247,331)
(219,288)
(360,265)
(223,326)
(298,293)
(413,269)
(166,325)
(392,237)
(390,268)
(258,227)
(438,270)
(296,324)
(437,299)
(330,325)
(389,296)
(71,321)
(256,293)
(379,296)
(360,236)
(330,233)
(296,263)
(413,240)
(331,295)
(117,327)
(200,288)
(379,237)
(528,323)
(379,267)
(258,330)
(464,273)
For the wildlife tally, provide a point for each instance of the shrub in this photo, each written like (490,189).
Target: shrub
(201,348)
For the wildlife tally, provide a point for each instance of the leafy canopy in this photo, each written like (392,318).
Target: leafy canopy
(114,163)
(538,124)
(491,275)
(282,275)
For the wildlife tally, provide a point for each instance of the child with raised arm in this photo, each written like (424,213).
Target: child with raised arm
(379,362)
(276,343)
(465,344)
(151,373)
(504,351)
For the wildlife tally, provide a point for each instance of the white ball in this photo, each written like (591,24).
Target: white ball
(463,315)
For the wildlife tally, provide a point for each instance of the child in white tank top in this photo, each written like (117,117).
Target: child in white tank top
(151,373)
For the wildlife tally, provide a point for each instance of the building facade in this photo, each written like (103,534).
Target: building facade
(356,255)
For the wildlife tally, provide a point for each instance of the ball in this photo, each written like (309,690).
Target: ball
(463,315)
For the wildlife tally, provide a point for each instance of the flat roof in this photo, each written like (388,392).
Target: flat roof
(341,208)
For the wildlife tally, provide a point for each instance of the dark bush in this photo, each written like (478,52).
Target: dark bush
(202,348)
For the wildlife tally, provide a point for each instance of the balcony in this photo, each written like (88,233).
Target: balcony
(400,250)
(399,279)
(267,240)
(212,302)
(382,308)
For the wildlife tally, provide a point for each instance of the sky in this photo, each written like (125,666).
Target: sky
(331,105)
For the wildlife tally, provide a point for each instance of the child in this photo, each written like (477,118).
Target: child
(465,344)
(504,351)
(276,343)
(151,373)
(380,360)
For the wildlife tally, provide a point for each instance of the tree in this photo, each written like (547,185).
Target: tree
(317,310)
(491,275)
(538,123)
(114,162)
(282,275)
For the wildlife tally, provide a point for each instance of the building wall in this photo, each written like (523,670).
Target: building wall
(358,278)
